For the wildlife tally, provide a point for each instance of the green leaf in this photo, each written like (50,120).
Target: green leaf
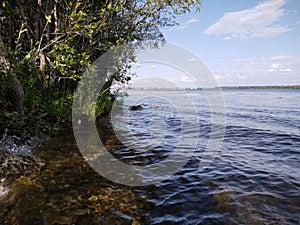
(48,18)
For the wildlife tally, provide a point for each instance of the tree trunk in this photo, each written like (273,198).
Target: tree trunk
(4,64)
(16,88)
(17,94)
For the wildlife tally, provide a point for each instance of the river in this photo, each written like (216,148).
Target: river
(254,178)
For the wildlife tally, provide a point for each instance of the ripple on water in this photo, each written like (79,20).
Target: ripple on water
(255,179)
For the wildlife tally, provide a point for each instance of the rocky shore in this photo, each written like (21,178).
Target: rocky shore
(13,165)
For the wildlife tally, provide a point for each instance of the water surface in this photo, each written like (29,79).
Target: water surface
(254,179)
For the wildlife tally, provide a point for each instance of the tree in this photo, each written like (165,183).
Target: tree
(67,35)
(50,43)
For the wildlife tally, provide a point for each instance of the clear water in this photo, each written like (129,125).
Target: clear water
(254,179)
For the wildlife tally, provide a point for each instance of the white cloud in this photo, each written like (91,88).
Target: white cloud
(285,63)
(279,69)
(256,22)
(281,57)
(286,70)
(227,38)
(186,78)
(152,67)
(192,21)
(192,60)
(185,25)
(275,65)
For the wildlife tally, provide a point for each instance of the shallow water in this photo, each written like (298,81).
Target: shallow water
(254,179)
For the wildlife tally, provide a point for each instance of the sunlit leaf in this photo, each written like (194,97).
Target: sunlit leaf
(48,18)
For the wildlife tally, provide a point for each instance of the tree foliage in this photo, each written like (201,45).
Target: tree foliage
(50,43)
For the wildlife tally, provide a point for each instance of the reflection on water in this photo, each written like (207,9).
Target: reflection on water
(254,180)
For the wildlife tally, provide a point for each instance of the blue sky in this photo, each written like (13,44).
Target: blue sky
(242,42)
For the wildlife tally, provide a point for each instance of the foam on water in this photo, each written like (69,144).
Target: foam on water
(3,192)
(18,145)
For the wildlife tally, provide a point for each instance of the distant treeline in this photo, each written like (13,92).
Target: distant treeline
(262,87)
(216,88)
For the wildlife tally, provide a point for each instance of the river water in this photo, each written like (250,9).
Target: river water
(253,179)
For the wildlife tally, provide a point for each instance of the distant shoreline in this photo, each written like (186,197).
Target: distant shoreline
(262,87)
(221,88)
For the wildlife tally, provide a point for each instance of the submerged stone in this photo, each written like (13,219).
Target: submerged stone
(13,166)
(135,107)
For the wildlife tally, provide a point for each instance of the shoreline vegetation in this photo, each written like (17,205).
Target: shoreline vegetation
(47,46)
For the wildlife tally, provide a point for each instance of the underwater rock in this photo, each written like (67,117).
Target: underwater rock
(13,166)
(136,107)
